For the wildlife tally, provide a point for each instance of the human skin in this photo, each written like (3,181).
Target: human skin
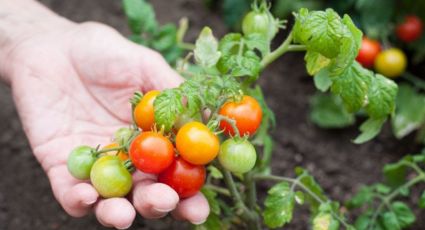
(71,84)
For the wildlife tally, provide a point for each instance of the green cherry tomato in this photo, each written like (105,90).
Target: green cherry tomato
(110,177)
(257,22)
(237,155)
(80,162)
(122,135)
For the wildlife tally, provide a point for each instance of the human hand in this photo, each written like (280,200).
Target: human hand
(71,86)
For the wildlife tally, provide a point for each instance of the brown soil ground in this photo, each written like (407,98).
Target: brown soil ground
(26,200)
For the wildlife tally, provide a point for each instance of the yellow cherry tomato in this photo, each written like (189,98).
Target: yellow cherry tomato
(144,111)
(391,62)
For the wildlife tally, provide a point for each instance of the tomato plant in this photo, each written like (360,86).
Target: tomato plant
(151,152)
(186,179)
(410,29)
(246,113)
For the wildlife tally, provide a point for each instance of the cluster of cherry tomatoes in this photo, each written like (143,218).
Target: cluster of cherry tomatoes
(179,157)
(391,62)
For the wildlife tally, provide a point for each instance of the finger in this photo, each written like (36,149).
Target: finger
(75,197)
(154,200)
(115,212)
(194,209)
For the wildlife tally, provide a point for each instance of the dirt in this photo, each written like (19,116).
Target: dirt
(26,200)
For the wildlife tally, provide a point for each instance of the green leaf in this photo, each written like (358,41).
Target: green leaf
(206,50)
(322,80)
(395,173)
(381,97)
(310,183)
(279,205)
(325,221)
(410,111)
(363,221)
(299,197)
(369,129)
(140,16)
(327,111)
(165,38)
(214,172)
(259,42)
(319,30)
(167,106)
(364,196)
(212,200)
(315,62)
(229,44)
(353,86)
(390,221)
(383,189)
(247,64)
(404,216)
(422,200)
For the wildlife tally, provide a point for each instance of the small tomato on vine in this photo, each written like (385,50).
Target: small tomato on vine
(80,162)
(237,155)
(391,63)
(144,111)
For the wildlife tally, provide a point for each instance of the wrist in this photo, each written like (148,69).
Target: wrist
(21,20)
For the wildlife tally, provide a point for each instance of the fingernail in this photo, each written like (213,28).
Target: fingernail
(199,222)
(91,202)
(125,227)
(163,210)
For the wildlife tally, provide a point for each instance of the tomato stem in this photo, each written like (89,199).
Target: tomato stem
(98,152)
(218,189)
(231,122)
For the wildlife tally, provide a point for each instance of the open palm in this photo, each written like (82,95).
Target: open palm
(71,88)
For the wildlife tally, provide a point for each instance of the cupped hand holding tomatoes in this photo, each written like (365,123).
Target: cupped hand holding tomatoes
(151,152)
(247,113)
(391,63)
(185,178)
(144,111)
(410,29)
(368,51)
(196,143)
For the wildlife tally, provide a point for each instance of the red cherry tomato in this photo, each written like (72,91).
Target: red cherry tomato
(368,51)
(410,29)
(247,114)
(186,179)
(151,152)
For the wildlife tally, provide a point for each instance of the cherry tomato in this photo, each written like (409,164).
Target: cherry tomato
(247,114)
(123,135)
(197,144)
(144,111)
(391,62)
(410,29)
(151,152)
(260,23)
(368,51)
(110,177)
(120,154)
(237,155)
(80,162)
(186,179)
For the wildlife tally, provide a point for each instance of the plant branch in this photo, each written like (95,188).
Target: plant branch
(231,122)
(218,189)
(252,190)
(283,48)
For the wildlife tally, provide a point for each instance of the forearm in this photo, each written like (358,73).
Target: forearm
(20,20)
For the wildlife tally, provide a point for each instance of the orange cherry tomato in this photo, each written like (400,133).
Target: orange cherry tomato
(247,113)
(144,111)
(120,154)
(197,144)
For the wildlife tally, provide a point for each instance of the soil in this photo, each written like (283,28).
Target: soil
(26,200)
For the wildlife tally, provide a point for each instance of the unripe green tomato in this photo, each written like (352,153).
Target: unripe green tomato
(122,135)
(237,155)
(261,23)
(80,162)
(110,177)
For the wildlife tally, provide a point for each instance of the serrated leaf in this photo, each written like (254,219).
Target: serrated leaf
(381,97)
(214,172)
(212,200)
(327,111)
(259,42)
(390,221)
(315,62)
(206,49)
(279,205)
(322,80)
(325,221)
(299,197)
(247,64)
(422,200)
(229,44)
(410,111)
(363,221)
(401,216)
(353,86)
(167,106)
(369,129)
(165,38)
(140,15)
(309,182)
